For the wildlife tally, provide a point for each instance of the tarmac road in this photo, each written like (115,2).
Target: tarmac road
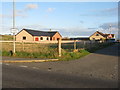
(96,70)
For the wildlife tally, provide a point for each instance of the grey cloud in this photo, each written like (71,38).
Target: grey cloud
(92,28)
(107,25)
(113,29)
(81,22)
(104,12)
(111,10)
(71,31)
(107,10)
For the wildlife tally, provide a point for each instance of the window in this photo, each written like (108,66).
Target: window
(93,38)
(97,34)
(41,38)
(24,38)
(58,38)
(50,38)
(47,38)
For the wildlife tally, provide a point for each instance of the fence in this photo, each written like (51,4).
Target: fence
(49,47)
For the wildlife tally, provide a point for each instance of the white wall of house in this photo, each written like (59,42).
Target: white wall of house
(44,38)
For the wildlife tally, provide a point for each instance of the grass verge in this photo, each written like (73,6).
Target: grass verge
(52,53)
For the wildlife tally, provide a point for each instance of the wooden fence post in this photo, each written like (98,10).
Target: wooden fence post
(59,47)
(23,45)
(84,44)
(74,44)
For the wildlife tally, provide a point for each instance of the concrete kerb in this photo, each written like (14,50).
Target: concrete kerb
(28,61)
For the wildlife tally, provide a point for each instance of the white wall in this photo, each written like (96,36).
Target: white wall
(44,38)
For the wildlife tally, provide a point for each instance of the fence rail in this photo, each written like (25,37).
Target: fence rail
(48,47)
(62,41)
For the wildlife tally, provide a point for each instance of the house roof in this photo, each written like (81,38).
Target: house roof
(101,33)
(40,33)
(104,35)
(109,34)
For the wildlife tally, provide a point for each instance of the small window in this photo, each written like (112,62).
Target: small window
(47,38)
(93,38)
(97,34)
(50,38)
(24,38)
(41,38)
(58,38)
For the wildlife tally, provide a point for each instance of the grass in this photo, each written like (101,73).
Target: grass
(73,55)
(50,50)
(6,37)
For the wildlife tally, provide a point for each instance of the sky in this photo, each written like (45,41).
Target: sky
(69,18)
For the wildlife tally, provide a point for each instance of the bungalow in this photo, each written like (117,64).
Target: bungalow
(100,36)
(35,35)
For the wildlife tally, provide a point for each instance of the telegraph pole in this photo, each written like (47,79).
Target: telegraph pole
(13,26)
(110,28)
(13,29)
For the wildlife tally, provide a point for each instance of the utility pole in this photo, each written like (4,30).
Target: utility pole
(13,29)
(75,45)
(13,26)
(110,28)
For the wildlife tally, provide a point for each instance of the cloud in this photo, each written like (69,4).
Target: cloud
(105,28)
(31,6)
(107,10)
(110,9)
(64,31)
(22,12)
(107,25)
(81,22)
(50,9)
(103,12)
(10,16)
(5,16)
(93,28)
(75,31)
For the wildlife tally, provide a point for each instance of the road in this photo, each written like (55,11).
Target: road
(96,70)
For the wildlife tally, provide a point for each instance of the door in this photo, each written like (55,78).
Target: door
(36,39)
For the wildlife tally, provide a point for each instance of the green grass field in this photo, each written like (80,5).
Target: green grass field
(6,37)
(41,50)
(38,50)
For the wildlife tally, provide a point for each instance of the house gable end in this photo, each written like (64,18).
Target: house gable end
(94,34)
(23,33)
(57,33)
